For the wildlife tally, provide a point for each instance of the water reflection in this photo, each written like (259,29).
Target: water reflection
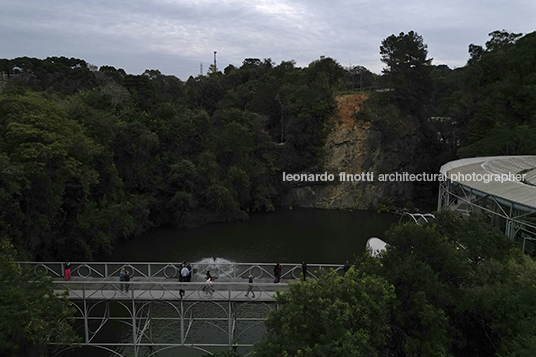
(319,236)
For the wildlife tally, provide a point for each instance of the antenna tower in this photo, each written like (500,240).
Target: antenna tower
(201,68)
(215,67)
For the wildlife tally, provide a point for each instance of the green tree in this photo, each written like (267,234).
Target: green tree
(32,315)
(456,286)
(63,195)
(501,40)
(425,270)
(500,306)
(329,71)
(407,70)
(462,289)
(497,94)
(204,92)
(503,140)
(332,316)
(360,78)
(56,158)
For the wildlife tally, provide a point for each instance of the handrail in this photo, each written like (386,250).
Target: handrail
(165,283)
(228,271)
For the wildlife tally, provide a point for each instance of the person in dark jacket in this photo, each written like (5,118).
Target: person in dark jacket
(304,270)
(189,278)
(121,278)
(347,266)
(277,272)
(127,279)
(208,289)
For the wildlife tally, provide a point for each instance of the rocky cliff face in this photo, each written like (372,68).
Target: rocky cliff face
(363,151)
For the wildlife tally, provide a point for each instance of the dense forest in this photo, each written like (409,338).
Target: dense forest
(92,155)
(88,157)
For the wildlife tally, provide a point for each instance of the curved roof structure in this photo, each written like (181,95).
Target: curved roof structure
(508,178)
(503,187)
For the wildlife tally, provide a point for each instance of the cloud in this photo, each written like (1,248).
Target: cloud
(176,35)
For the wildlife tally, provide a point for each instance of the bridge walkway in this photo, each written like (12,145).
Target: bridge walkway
(160,314)
(144,289)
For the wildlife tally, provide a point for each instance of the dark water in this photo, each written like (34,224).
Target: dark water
(288,236)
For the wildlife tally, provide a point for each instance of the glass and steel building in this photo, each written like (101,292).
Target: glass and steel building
(501,187)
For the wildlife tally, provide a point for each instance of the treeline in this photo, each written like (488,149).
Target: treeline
(88,157)
(487,107)
(495,106)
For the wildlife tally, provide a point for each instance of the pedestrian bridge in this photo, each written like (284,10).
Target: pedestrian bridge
(155,314)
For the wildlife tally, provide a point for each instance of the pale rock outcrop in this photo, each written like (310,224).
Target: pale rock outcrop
(358,148)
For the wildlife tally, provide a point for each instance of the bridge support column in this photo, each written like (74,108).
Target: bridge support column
(182,321)
(439,197)
(230,323)
(134,332)
(150,321)
(86,324)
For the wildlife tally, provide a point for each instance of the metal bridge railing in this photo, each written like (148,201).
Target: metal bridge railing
(151,270)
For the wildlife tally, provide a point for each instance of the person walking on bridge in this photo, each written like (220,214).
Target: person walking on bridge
(208,289)
(277,273)
(189,277)
(250,287)
(121,279)
(127,279)
(346,266)
(67,271)
(184,272)
(304,270)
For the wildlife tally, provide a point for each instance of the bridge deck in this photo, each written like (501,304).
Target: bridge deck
(144,289)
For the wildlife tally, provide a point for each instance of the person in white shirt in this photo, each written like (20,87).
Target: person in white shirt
(184,273)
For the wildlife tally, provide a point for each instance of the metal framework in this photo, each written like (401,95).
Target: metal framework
(508,203)
(157,316)
(418,218)
(154,312)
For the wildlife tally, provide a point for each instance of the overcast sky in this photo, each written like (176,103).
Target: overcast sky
(175,36)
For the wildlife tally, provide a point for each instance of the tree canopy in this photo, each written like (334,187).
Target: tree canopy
(496,97)
(33,316)
(455,287)
(407,69)
(123,153)
(332,316)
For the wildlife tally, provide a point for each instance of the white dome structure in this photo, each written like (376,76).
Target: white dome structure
(376,246)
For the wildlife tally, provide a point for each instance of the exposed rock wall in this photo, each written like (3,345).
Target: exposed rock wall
(360,148)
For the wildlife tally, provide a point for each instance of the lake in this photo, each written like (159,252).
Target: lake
(286,236)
